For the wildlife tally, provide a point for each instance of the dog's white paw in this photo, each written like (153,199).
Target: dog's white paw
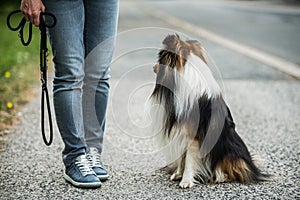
(186,184)
(176,176)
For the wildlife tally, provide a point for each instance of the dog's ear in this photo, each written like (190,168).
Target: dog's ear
(197,49)
(177,47)
(171,42)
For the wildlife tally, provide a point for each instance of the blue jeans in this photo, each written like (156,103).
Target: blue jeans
(82,44)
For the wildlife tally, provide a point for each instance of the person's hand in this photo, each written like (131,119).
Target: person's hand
(32,9)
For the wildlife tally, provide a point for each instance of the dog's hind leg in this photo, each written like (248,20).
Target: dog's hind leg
(192,161)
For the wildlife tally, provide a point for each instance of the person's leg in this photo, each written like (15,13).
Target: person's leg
(66,39)
(99,38)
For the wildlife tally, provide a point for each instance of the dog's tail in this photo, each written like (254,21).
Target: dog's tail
(230,158)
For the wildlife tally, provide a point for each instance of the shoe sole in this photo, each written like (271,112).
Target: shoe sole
(80,184)
(103,177)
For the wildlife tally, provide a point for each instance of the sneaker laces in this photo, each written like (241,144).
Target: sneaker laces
(83,165)
(94,158)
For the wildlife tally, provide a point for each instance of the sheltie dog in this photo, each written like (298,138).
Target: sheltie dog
(193,120)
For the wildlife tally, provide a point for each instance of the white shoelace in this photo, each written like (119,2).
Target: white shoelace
(94,158)
(83,165)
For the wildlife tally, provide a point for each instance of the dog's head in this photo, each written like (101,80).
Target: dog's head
(176,52)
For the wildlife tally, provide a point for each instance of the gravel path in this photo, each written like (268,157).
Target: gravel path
(30,170)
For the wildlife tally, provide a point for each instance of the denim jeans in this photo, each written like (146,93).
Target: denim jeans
(82,44)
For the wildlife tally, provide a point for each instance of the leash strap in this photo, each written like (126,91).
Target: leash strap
(43,62)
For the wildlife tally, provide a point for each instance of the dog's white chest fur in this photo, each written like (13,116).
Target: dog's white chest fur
(195,80)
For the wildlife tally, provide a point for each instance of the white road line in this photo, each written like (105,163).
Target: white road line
(273,61)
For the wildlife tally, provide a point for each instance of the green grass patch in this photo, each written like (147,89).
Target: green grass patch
(19,65)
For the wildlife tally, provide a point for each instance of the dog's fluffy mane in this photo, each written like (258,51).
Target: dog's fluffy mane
(193,115)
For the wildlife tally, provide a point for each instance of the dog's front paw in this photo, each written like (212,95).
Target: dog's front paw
(186,184)
(176,176)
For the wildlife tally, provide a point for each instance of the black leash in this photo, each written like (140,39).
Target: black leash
(43,62)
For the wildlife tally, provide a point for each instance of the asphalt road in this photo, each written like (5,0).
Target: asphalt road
(264,104)
(271,28)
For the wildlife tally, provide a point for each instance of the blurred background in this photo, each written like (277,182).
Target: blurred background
(19,66)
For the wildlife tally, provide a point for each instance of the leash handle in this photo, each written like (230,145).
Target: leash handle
(44,22)
(20,27)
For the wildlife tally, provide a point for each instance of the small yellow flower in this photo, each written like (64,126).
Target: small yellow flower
(9,105)
(7,74)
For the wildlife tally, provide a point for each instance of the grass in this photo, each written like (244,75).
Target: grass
(19,66)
